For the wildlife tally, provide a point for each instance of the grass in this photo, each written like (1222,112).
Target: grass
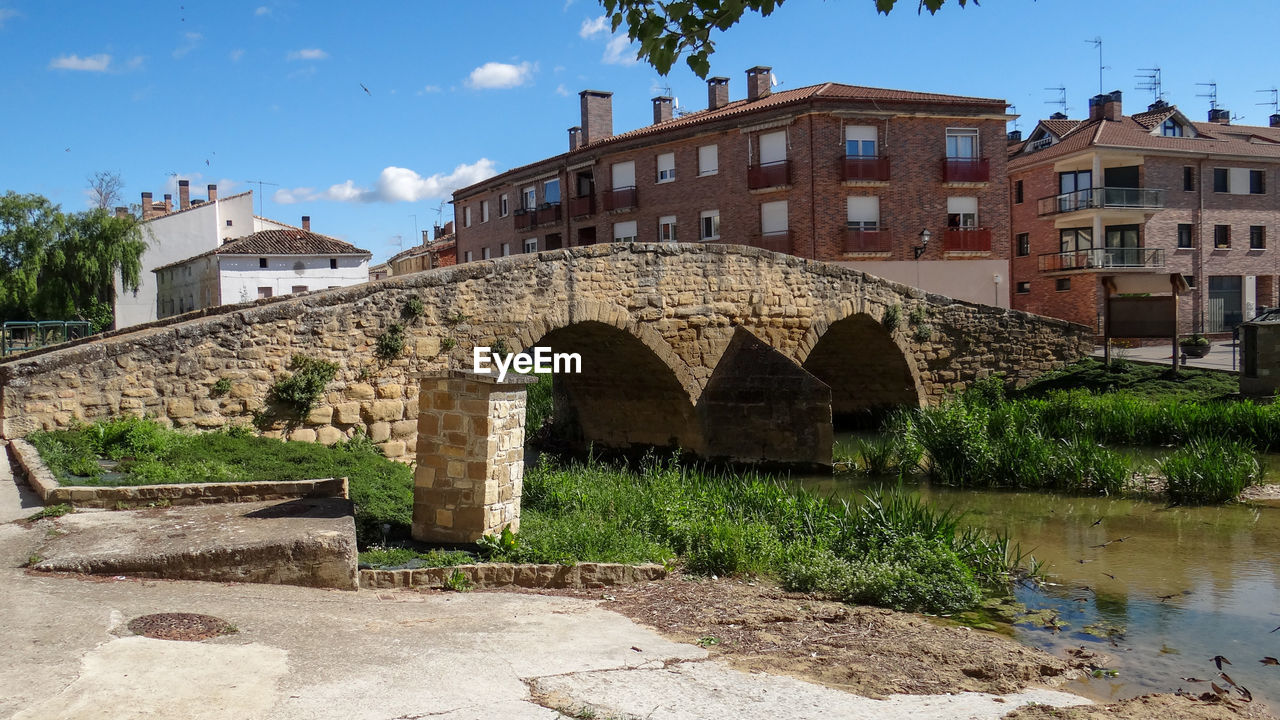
(51,511)
(1153,382)
(149,453)
(390,557)
(888,550)
(538,404)
(1209,471)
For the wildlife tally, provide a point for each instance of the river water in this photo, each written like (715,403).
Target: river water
(1175,585)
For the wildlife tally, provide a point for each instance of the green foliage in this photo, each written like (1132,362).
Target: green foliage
(448,344)
(1154,382)
(500,347)
(666,31)
(922,333)
(390,344)
(502,547)
(457,581)
(412,308)
(220,388)
(50,511)
(892,318)
(1195,340)
(1210,470)
(303,387)
(539,404)
(59,266)
(455,319)
(395,557)
(919,315)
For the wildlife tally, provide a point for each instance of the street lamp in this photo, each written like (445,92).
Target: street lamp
(924,243)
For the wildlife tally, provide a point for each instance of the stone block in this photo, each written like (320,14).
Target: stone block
(402,429)
(180,407)
(329,435)
(393,449)
(359,391)
(379,432)
(390,391)
(347,413)
(303,435)
(384,410)
(322,415)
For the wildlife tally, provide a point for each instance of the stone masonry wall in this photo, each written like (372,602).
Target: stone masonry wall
(682,302)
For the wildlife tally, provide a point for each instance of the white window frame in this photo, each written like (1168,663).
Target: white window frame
(466,216)
(773,137)
(708,160)
(466,256)
(484,211)
(529,198)
(625,231)
(504,205)
(666,163)
(530,245)
(769,219)
(623,170)
(963,132)
(506,249)
(709,225)
(667,229)
(960,206)
(862,134)
(862,212)
(485,253)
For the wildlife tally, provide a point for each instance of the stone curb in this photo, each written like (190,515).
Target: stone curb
(46,486)
(529,575)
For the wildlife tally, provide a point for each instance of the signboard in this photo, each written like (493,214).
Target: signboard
(1142,317)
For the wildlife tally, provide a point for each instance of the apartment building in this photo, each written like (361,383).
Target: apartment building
(905,185)
(437,250)
(1152,194)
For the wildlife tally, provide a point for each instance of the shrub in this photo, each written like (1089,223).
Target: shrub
(1210,470)
(390,344)
(303,387)
(220,388)
(918,315)
(539,404)
(892,317)
(1194,339)
(412,308)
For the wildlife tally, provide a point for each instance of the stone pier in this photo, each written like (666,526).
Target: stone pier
(470,455)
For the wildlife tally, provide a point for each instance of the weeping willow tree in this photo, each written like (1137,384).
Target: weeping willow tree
(60,266)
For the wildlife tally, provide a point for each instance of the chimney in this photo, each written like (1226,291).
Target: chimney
(1015,136)
(597,115)
(759,82)
(661,109)
(1159,104)
(575,138)
(168,202)
(717,92)
(1106,106)
(122,211)
(146,205)
(448,228)
(306,223)
(184,194)
(1275,120)
(213,193)
(1222,116)
(1058,116)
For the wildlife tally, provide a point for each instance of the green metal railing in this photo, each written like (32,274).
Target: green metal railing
(17,337)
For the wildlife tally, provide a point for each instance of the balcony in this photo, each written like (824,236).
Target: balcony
(967,239)
(865,168)
(524,218)
(1103,198)
(860,240)
(966,170)
(774,174)
(548,213)
(1105,258)
(779,242)
(620,198)
(582,206)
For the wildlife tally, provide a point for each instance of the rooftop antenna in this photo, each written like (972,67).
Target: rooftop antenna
(440,214)
(1013,110)
(1061,100)
(415,225)
(260,183)
(1097,42)
(1212,94)
(1150,78)
(1274,102)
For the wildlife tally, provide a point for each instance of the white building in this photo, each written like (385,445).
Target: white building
(172,234)
(266,263)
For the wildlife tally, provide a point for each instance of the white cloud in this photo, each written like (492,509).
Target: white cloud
(90,63)
(308,54)
(135,62)
(236,54)
(567,3)
(620,51)
(429,89)
(395,184)
(190,41)
(562,90)
(262,10)
(7,14)
(593,26)
(496,75)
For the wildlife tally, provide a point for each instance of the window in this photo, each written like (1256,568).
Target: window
(1220,180)
(264,292)
(551,192)
(860,141)
(773,218)
(484,253)
(484,211)
(333,263)
(962,143)
(466,256)
(529,198)
(773,147)
(1024,287)
(1188,179)
(1017,192)
(666,167)
(1239,181)
(1226,302)
(708,160)
(962,212)
(624,231)
(667,228)
(1257,237)
(1073,190)
(1062,284)
(298,288)
(1184,236)
(1171,128)
(863,213)
(504,205)
(710,221)
(1221,237)
(1191,280)
(624,175)
(262,262)
(506,249)
(228,223)
(531,245)
(1024,244)
(1075,239)
(466,216)
(1257,182)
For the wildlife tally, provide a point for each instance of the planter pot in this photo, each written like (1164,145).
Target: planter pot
(1195,351)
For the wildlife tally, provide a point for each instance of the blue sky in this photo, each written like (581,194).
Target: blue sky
(270,90)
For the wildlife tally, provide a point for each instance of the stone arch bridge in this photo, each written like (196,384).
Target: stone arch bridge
(728,351)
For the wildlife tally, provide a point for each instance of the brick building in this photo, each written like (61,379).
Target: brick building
(835,172)
(1152,193)
(438,250)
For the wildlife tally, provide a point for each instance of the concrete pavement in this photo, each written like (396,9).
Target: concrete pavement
(1219,357)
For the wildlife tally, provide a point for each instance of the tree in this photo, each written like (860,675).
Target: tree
(55,266)
(104,189)
(667,29)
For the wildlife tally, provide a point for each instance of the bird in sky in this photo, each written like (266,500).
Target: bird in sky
(366,90)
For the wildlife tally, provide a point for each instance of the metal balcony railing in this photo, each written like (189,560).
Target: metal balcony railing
(1103,198)
(866,167)
(1104,258)
(771,174)
(524,218)
(620,198)
(548,213)
(580,206)
(966,170)
(967,239)
(862,240)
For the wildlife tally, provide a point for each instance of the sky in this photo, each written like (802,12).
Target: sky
(366,116)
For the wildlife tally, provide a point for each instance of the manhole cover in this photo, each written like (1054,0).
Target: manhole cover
(180,626)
